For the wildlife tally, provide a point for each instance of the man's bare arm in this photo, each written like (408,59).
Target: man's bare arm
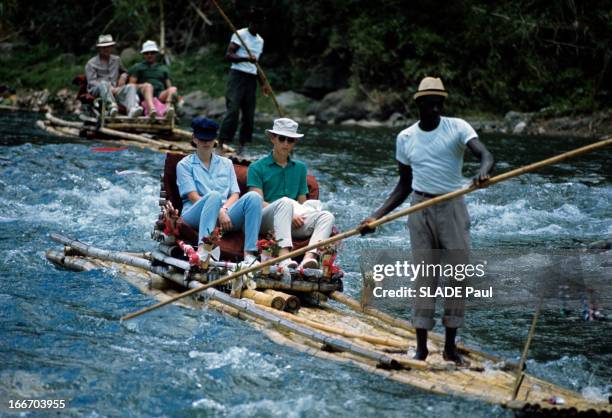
(487,162)
(397,196)
(231,56)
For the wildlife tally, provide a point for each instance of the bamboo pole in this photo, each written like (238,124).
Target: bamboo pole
(391,342)
(425,204)
(261,73)
(162,30)
(200,13)
(292,302)
(519,374)
(265,299)
(356,306)
(132,137)
(57,121)
(61,131)
(59,258)
(121,257)
(279,322)
(182,133)
(102,254)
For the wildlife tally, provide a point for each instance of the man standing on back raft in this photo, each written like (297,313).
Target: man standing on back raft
(242,82)
(430,158)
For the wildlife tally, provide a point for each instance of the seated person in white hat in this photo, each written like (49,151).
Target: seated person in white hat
(281,181)
(153,79)
(103,79)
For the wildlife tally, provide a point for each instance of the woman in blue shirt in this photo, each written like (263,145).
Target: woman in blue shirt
(209,189)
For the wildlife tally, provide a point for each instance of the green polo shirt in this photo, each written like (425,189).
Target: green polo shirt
(276,181)
(156,74)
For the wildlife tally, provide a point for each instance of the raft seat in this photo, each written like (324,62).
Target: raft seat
(232,243)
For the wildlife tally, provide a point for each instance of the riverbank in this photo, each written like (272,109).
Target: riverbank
(306,111)
(43,85)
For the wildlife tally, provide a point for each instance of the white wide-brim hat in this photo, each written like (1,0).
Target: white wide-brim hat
(285,127)
(431,86)
(149,46)
(105,40)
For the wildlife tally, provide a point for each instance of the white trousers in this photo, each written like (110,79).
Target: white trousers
(278,215)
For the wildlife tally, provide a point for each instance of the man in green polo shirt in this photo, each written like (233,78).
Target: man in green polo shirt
(153,79)
(281,181)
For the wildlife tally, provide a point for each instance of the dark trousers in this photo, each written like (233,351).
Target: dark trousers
(239,97)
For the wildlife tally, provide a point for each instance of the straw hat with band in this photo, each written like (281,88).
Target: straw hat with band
(285,127)
(431,86)
(105,40)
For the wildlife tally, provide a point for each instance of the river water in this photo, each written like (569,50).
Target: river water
(59,334)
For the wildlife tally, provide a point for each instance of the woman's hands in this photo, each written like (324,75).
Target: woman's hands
(225,222)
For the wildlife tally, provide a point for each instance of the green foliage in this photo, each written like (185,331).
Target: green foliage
(206,72)
(41,68)
(492,56)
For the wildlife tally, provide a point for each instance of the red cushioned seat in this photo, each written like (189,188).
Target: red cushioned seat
(232,243)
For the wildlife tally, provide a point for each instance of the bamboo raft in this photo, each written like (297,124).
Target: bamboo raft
(158,135)
(340,331)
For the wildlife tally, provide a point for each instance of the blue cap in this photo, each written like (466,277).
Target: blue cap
(204,129)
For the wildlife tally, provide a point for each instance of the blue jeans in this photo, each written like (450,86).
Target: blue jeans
(245,214)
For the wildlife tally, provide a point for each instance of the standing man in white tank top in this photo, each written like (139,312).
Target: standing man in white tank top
(430,158)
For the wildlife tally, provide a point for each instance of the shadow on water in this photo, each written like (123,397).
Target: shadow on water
(59,335)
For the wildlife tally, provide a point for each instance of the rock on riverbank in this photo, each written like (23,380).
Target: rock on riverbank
(350,107)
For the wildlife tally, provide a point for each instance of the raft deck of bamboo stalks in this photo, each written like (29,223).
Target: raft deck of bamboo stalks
(367,338)
(159,134)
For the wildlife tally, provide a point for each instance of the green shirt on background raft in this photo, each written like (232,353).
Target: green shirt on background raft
(276,181)
(156,74)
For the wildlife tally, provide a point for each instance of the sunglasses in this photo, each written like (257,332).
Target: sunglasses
(285,138)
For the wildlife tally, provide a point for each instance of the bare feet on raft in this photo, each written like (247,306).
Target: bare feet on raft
(421,355)
(452,354)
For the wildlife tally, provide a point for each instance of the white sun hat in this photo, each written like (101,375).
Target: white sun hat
(149,46)
(431,86)
(105,40)
(285,127)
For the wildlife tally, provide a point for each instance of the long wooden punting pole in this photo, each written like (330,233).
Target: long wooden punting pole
(497,179)
(264,79)
(520,375)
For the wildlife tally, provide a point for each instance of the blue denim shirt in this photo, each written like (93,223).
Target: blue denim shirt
(193,176)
